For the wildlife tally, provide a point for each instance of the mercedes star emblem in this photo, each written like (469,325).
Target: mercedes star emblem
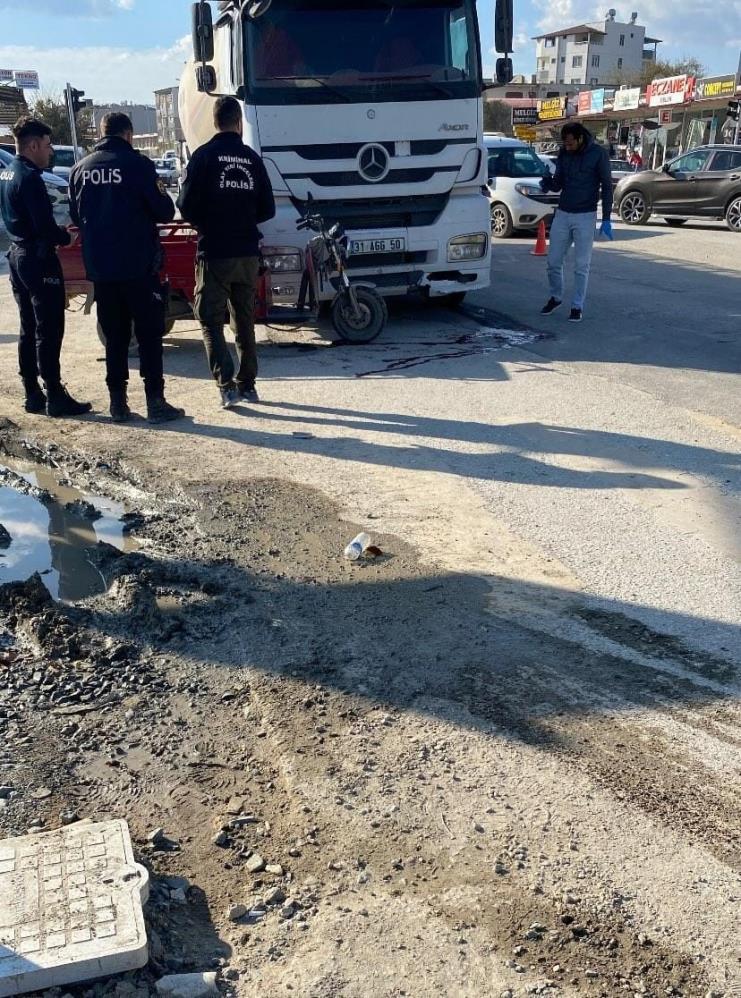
(373,163)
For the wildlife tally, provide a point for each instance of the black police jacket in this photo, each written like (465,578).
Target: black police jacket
(26,209)
(225,195)
(117,201)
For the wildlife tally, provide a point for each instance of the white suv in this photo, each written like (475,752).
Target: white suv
(514,172)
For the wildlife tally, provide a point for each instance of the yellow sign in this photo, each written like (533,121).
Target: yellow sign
(525,133)
(552,108)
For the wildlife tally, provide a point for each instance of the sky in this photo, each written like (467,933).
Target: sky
(124,49)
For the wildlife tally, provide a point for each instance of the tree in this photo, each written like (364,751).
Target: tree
(52,110)
(659,69)
(497,117)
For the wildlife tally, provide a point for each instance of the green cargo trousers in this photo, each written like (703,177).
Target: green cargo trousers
(233,283)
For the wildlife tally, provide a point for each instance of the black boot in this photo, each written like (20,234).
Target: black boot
(120,412)
(35,399)
(160,411)
(59,402)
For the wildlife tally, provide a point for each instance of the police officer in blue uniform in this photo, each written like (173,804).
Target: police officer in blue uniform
(35,272)
(117,201)
(225,196)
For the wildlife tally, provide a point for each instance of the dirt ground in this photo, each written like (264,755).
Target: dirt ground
(446,781)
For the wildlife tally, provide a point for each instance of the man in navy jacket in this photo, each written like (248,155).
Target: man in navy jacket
(225,196)
(117,201)
(583,178)
(35,272)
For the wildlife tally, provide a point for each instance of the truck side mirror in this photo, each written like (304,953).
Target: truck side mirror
(504,70)
(205,79)
(503,27)
(203,32)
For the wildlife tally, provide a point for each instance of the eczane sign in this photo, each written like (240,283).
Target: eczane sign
(671,90)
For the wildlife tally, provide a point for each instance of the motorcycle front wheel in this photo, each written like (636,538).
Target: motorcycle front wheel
(363,326)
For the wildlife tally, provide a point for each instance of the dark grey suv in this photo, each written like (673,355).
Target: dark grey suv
(702,183)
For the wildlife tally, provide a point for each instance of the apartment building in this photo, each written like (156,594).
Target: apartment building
(595,54)
(169,129)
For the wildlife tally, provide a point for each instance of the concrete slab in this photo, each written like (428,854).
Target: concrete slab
(70,907)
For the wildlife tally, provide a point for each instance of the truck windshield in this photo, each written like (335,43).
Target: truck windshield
(314,51)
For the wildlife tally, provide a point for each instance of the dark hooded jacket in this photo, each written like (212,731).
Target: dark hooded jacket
(579,177)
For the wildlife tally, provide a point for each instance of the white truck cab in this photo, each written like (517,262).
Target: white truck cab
(370,109)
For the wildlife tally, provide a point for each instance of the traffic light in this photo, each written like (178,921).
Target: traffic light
(76,97)
(733,109)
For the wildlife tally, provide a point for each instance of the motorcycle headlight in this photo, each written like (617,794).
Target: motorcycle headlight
(528,190)
(471,247)
(283,260)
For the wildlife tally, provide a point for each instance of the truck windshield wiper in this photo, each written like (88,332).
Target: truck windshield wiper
(315,79)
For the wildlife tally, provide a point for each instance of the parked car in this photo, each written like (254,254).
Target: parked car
(64,160)
(702,183)
(57,187)
(548,161)
(167,171)
(517,202)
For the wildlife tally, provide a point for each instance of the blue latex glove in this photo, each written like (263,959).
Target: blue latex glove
(606,229)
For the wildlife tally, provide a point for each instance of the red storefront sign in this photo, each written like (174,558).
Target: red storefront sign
(671,90)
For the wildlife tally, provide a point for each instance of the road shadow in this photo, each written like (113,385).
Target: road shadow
(531,453)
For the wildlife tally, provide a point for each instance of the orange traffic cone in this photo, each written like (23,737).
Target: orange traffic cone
(541,248)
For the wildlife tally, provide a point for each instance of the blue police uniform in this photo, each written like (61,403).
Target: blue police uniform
(35,275)
(117,201)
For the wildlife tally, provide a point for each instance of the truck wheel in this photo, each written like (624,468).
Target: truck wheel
(365,327)
(501,221)
(633,209)
(733,215)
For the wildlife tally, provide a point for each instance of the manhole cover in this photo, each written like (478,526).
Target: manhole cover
(70,907)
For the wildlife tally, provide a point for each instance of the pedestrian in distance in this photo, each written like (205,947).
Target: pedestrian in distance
(582,178)
(117,201)
(226,194)
(35,272)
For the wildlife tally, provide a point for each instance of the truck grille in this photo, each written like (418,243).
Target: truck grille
(379,213)
(351,178)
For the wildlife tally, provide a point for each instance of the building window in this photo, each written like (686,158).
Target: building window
(577,80)
(576,62)
(620,63)
(593,81)
(622,40)
(595,62)
(563,58)
(550,43)
(553,59)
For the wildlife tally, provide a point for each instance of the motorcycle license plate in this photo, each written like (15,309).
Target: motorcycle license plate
(358,247)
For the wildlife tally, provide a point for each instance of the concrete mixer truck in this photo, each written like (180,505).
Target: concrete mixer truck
(367,111)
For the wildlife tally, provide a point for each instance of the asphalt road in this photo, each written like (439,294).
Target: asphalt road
(663,312)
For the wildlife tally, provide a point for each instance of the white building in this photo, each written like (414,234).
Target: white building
(596,54)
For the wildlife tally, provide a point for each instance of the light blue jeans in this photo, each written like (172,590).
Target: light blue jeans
(567,228)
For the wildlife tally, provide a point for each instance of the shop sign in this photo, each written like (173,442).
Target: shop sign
(665,117)
(27,79)
(551,109)
(525,115)
(715,86)
(584,102)
(671,90)
(6,75)
(627,100)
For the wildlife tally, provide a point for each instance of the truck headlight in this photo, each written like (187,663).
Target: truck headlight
(528,190)
(283,259)
(471,247)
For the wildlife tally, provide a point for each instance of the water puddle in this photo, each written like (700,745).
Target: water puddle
(53,533)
